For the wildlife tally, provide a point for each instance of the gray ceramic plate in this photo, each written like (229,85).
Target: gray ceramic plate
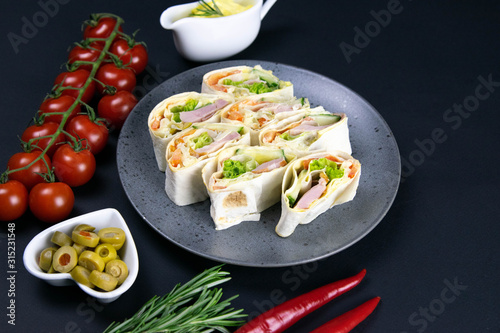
(256,243)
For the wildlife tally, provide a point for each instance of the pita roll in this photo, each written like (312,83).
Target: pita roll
(243,181)
(310,131)
(178,112)
(313,184)
(258,112)
(244,81)
(189,151)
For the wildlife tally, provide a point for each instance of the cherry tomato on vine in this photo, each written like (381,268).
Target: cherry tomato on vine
(73,165)
(133,55)
(122,78)
(76,79)
(29,176)
(100,28)
(93,132)
(116,108)
(13,200)
(58,105)
(87,53)
(51,202)
(46,130)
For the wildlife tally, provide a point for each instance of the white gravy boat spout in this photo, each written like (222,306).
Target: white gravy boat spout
(209,39)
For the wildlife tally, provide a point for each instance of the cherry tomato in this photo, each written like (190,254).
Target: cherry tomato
(134,56)
(73,166)
(116,108)
(13,200)
(30,176)
(46,130)
(88,53)
(94,133)
(101,28)
(122,78)
(76,79)
(51,202)
(54,108)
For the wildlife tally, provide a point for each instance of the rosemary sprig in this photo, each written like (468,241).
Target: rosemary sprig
(192,307)
(207,10)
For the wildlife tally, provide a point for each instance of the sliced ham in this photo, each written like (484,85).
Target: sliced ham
(270,165)
(203,113)
(312,194)
(283,108)
(306,127)
(216,145)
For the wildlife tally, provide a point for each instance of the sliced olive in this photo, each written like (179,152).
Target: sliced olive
(106,251)
(84,227)
(81,275)
(79,248)
(61,239)
(87,238)
(91,261)
(45,259)
(103,280)
(64,259)
(114,236)
(118,269)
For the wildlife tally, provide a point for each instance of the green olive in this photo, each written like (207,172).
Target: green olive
(84,227)
(91,261)
(86,238)
(106,251)
(64,259)
(103,280)
(61,239)
(118,269)
(45,259)
(79,248)
(114,236)
(81,275)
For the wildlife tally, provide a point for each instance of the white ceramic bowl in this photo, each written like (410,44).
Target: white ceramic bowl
(108,217)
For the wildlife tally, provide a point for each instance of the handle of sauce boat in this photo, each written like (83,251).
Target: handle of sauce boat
(265,7)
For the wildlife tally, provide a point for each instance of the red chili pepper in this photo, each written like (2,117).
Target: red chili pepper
(288,313)
(346,322)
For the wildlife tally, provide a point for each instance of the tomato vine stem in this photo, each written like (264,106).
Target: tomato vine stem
(78,101)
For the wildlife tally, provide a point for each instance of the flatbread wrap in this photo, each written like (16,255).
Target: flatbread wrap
(189,151)
(178,112)
(242,181)
(258,112)
(313,130)
(243,81)
(313,184)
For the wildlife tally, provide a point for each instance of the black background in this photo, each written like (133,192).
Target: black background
(424,63)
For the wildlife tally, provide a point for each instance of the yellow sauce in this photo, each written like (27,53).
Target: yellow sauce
(227,7)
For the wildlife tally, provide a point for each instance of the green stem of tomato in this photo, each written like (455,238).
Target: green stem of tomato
(95,66)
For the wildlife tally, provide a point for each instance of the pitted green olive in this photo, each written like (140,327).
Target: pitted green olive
(79,248)
(45,259)
(64,259)
(103,280)
(106,251)
(91,261)
(84,227)
(114,236)
(81,275)
(86,238)
(61,239)
(118,269)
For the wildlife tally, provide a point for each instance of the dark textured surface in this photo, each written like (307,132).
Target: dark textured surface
(433,258)
(191,226)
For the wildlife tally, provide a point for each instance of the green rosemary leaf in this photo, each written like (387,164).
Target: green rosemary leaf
(207,10)
(193,307)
